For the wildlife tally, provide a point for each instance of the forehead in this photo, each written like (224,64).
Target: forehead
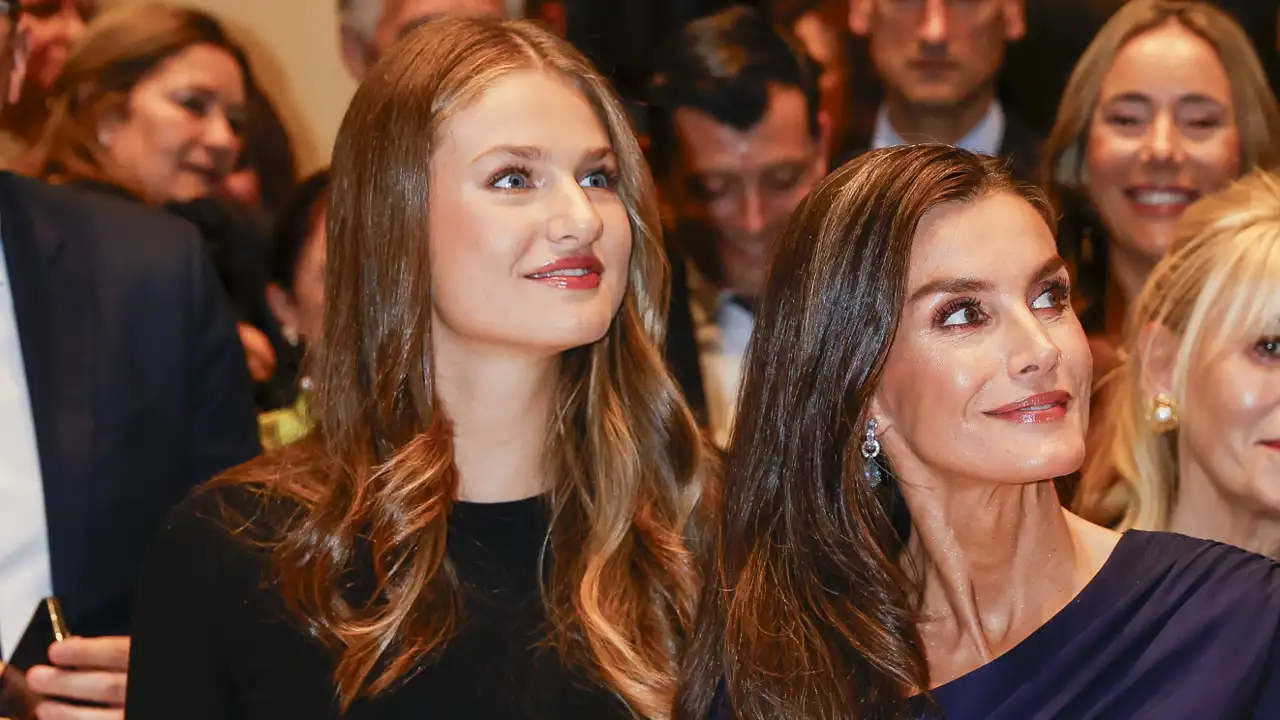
(1000,238)
(525,108)
(783,134)
(206,66)
(963,16)
(1168,59)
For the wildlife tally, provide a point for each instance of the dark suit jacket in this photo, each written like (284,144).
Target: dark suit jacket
(138,382)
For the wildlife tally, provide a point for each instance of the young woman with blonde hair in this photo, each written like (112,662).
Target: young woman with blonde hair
(1195,418)
(489,516)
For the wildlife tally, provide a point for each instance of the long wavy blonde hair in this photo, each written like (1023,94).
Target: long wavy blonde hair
(375,482)
(1218,290)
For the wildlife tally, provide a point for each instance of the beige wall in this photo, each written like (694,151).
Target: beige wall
(293,45)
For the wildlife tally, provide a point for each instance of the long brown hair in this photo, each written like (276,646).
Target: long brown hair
(806,611)
(121,48)
(376,480)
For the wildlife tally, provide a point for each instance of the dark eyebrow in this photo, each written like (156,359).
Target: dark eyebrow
(957,286)
(950,286)
(1048,269)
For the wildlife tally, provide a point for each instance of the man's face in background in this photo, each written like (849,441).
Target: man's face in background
(368,28)
(400,17)
(734,190)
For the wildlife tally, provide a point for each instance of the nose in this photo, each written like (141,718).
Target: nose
(220,138)
(1033,351)
(933,24)
(573,217)
(753,215)
(1163,140)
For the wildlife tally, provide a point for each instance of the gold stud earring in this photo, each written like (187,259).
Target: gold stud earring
(1164,413)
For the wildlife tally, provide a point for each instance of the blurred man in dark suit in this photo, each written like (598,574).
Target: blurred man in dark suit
(124,384)
(939,61)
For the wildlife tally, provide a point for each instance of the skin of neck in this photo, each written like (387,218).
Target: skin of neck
(944,125)
(1201,509)
(500,403)
(993,562)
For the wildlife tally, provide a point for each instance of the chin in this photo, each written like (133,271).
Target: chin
(577,334)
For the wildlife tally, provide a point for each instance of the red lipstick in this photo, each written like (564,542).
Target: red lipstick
(1041,408)
(581,272)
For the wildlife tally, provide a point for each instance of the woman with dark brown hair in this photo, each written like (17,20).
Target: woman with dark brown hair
(487,519)
(892,543)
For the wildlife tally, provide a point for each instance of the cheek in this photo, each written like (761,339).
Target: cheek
(1107,158)
(1227,401)
(1216,161)
(928,386)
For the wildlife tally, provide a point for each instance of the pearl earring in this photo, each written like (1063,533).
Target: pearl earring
(1164,413)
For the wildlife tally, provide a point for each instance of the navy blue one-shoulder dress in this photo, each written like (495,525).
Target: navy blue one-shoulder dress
(1171,627)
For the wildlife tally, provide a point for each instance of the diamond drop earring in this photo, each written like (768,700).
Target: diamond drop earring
(871,451)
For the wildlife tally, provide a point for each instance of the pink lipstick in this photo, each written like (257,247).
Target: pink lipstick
(1041,408)
(572,273)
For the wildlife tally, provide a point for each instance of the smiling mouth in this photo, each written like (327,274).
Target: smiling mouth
(1041,408)
(1161,201)
(574,272)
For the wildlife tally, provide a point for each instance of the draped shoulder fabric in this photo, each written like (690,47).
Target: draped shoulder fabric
(1171,627)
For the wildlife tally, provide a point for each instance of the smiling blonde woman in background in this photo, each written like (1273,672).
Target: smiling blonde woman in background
(1195,417)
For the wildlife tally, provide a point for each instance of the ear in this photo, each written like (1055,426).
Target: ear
(860,16)
(18,60)
(356,52)
(107,128)
(1015,20)
(823,160)
(1157,351)
(282,307)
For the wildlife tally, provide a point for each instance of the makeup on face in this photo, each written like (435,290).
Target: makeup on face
(530,241)
(989,365)
(1163,135)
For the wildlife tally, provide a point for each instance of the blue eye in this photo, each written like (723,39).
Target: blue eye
(511,179)
(598,179)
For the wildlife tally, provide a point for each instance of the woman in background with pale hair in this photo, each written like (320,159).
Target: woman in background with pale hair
(1194,420)
(488,517)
